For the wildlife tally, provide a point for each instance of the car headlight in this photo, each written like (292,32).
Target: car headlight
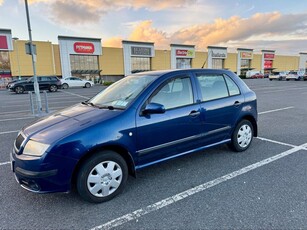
(34,148)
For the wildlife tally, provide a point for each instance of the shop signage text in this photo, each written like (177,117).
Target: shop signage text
(269,56)
(246,55)
(184,53)
(142,51)
(218,53)
(84,47)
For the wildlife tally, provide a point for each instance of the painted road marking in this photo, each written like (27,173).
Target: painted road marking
(19,118)
(75,94)
(276,110)
(276,142)
(5,163)
(200,188)
(7,132)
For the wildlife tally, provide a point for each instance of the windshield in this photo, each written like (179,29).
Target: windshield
(121,93)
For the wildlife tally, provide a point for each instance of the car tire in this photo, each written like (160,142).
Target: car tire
(102,177)
(19,90)
(65,86)
(271,79)
(53,88)
(87,85)
(242,136)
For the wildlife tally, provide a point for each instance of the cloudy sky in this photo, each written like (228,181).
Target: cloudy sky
(279,25)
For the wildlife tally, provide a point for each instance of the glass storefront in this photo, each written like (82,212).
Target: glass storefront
(140,64)
(217,63)
(183,63)
(5,68)
(83,62)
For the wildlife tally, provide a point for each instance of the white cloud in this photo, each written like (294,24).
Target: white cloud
(270,30)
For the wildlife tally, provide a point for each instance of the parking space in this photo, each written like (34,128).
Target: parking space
(264,187)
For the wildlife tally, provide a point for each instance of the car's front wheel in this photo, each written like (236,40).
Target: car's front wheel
(102,177)
(242,136)
(87,85)
(19,89)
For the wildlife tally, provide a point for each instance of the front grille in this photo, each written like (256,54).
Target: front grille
(18,141)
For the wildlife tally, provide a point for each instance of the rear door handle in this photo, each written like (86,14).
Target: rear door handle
(194,113)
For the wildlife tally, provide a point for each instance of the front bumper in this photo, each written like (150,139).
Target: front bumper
(36,176)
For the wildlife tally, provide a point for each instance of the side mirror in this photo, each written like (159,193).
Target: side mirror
(154,108)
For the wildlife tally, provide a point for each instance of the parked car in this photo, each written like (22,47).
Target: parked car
(305,77)
(293,75)
(11,82)
(75,82)
(257,75)
(141,120)
(277,76)
(51,83)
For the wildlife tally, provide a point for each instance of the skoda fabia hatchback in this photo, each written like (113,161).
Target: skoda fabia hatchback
(138,121)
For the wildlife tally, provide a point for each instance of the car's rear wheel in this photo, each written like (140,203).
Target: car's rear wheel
(53,88)
(65,86)
(87,85)
(102,177)
(19,89)
(242,136)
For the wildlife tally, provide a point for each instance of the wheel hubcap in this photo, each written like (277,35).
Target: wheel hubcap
(104,179)
(244,136)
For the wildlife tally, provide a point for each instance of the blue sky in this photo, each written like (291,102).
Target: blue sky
(279,25)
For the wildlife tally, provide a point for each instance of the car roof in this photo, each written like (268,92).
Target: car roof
(163,72)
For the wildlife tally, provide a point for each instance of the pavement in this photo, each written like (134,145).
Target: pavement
(261,188)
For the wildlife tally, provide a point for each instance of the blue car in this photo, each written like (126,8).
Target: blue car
(143,119)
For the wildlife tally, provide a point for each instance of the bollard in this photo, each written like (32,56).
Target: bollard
(46,101)
(31,102)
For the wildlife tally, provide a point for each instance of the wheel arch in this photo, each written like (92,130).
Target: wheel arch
(118,149)
(252,120)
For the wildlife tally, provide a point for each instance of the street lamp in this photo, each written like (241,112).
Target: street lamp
(36,86)
(15,41)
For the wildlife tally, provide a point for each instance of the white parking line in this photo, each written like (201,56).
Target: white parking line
(75,94)
(276,142)
(7,132)
(19,118)
(4,163)
(200,188)
(276,110)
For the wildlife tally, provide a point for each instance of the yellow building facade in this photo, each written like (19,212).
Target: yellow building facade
(111,61)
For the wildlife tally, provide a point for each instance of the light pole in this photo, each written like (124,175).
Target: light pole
(15,41)
(36,86)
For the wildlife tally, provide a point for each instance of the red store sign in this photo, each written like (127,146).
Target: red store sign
(269,56)
(84,47)
(268,64)
(182,53)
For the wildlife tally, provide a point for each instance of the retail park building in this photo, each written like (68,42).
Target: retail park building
(87,58)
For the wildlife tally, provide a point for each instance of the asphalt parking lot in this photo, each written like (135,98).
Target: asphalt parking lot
(261,188)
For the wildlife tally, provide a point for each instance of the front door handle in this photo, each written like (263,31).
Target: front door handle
(237,103)
(194,113)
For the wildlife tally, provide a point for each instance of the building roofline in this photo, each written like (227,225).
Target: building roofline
(273,51)
(182,45)
(217,47)
(60,37)
(137,42)
(5,30)
(244,49)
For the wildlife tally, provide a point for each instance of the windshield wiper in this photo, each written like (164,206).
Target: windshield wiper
(110,107)
(88,103)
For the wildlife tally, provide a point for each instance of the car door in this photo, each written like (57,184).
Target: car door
(44,83)
(29,84)
(221,102)
(177,130)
